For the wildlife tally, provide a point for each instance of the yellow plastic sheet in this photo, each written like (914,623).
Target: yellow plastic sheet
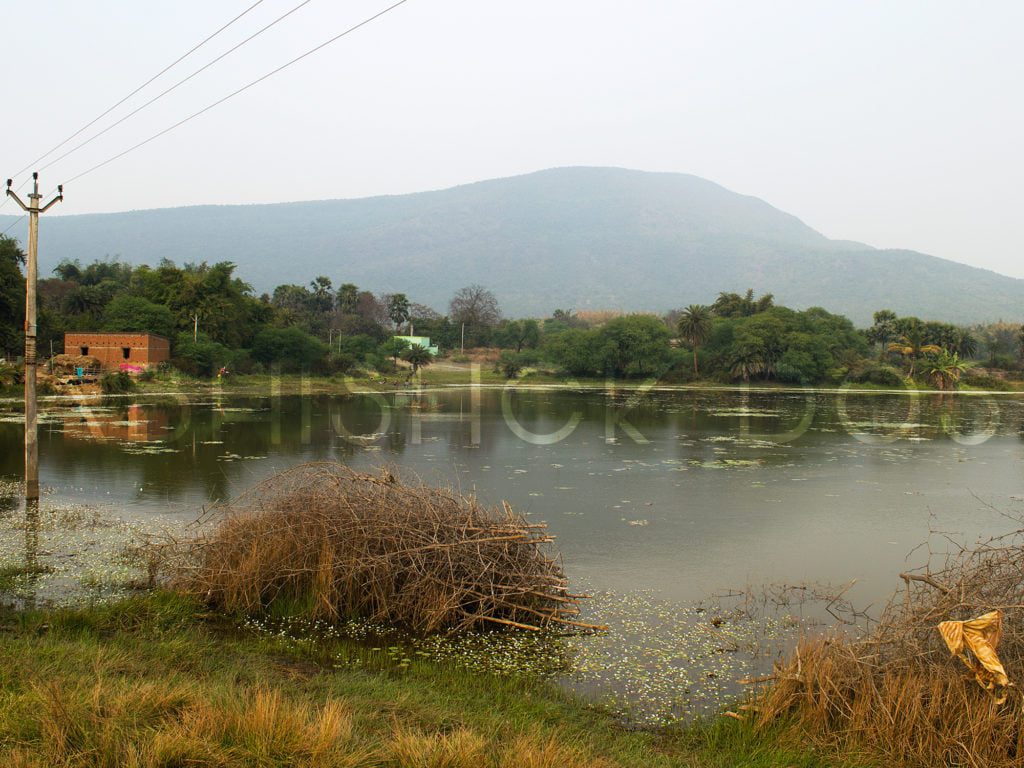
(975,642)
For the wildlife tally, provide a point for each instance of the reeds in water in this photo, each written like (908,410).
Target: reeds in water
(897,692)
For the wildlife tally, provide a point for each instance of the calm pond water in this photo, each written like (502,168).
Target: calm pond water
(669,497)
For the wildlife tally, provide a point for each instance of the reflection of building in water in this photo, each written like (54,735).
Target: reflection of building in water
(136,425)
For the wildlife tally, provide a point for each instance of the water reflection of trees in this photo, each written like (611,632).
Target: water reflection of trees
(200,449)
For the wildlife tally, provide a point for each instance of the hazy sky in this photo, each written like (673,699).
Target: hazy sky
(899,124)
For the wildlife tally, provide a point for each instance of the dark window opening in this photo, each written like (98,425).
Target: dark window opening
(126,352)
(84,350)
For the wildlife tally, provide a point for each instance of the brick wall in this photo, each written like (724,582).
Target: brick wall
(116,349)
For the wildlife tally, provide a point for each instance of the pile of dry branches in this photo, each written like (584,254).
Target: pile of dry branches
(343,544)
(898,690)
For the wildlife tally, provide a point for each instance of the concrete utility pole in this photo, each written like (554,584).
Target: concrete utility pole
(31,413)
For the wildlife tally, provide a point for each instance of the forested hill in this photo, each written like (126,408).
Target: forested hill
(571,238)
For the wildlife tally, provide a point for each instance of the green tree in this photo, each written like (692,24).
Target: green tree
(323,297)
(418,357)
(12,295)
(290,348)
(133,313)
(944,370)
(347,298)
(912,344)
(746,362)
(884,329)
(518,334)
(394,348)
(573,350)
(734,305)
(86,301)
(200,356)
(511,364)
(398,308)
(694,328)
(634,345)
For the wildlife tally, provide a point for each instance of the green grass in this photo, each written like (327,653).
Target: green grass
(155,680)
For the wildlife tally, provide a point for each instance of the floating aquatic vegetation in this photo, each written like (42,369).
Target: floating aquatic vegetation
(63,554)
(147,449)
(726,463)
(746,412)
(659,662)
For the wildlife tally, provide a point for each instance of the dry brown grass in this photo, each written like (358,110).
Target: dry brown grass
(898,692)
(343,544)
(463,748)
(145,725)
(150,725)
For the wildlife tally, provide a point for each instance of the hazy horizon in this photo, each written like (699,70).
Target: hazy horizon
(889,125)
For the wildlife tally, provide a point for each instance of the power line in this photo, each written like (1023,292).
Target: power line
(221,100)
(176,85)
(15,223)
(122,101)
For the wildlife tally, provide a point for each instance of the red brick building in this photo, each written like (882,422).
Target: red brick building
(124,351)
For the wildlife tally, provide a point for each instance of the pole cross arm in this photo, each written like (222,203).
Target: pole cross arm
(58,199)
(12,193)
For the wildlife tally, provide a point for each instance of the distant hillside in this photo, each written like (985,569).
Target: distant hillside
(561,238)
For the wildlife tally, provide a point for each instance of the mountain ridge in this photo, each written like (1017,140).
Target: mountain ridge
(571,237)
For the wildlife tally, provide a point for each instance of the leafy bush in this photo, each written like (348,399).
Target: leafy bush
(200,357)
(240,361)
(356,347)
(882,375)
(1004,362)
(290,348)
(340,362)
(510,364)
(10,377)
(382,364)
(117,383)
(983,380)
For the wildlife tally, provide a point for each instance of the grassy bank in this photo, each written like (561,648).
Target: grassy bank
(156,681)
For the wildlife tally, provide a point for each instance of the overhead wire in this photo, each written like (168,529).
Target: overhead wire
(244,88)
(163,71)
(14,223)
(181,82)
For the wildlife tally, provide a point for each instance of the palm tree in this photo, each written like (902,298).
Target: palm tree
(694,328)
(945,370)
(417,356)
(911,345)
(746,362)
(966,344)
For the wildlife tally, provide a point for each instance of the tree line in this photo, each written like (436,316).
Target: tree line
(215,320)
